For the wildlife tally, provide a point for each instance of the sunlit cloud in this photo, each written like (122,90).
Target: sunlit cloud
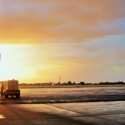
(79,40)
(35,22)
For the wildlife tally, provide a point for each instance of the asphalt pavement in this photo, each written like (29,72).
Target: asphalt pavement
(77,106)
(87,113)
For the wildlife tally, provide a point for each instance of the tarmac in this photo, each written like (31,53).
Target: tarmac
(87,113)
(86,106)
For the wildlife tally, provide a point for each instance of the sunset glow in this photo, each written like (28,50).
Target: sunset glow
(83,40)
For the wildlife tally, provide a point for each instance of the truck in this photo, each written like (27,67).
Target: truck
(10,88)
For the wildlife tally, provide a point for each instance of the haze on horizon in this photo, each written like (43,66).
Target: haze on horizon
(83,40)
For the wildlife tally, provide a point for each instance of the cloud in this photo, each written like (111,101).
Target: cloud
(119,68)
(53,21)
(70,60)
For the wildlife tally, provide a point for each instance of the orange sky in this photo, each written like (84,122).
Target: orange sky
(77,40)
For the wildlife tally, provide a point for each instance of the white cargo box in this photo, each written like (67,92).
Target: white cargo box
(11,85)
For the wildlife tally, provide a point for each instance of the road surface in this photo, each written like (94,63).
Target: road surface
(98,106)
(87,113)
(67,95)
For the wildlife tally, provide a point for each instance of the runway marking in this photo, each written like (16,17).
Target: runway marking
(1,117)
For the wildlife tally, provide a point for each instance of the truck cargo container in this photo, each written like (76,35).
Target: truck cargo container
(10,87)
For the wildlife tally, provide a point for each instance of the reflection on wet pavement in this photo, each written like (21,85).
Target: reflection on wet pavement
(98,113)
(94,108)
(48,106)
(74,91)
(67,95)
(15,115)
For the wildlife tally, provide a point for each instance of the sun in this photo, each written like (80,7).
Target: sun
(6,71)
(8,67)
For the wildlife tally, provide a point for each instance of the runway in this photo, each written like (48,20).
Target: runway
(77,106)
(90,113)
(67,95)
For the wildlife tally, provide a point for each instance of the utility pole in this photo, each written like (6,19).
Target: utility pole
(60,79)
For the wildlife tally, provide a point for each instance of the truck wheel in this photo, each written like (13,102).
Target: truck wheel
(17,96)
(6,96)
